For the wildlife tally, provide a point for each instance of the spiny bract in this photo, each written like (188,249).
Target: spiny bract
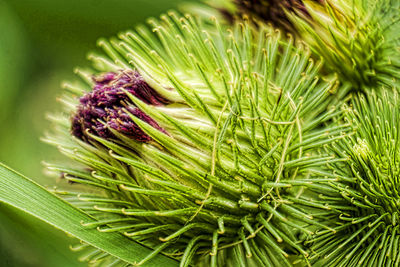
(242,127)
(364,201)
(358,39)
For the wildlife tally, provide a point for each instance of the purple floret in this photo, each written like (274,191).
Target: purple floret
(104,107)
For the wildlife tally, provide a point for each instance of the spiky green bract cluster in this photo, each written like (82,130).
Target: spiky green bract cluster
(359,39)
(243,129)
(364,204)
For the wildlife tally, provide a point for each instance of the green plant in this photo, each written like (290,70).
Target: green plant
(358,39)
(364,198)
(207,167)
(230,145)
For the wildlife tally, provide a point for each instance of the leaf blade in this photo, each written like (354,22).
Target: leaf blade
(22,193)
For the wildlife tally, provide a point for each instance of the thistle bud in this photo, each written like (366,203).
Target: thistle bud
(365,195)
(363,52)
(230,182)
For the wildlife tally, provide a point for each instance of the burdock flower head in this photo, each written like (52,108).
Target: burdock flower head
(359,40)
(365,197)
(235,131)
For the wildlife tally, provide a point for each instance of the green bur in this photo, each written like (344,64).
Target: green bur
(243,149)
(364,200)
(359,40)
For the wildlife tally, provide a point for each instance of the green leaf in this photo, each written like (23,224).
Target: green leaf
(26,195)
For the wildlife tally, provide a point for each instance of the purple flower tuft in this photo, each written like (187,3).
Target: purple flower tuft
(104,106)
(108,88)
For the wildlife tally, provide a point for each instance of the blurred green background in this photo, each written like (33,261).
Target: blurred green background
(41,41)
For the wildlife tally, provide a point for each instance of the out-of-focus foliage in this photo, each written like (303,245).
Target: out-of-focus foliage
(26,241)
(41,41)
(12,55)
